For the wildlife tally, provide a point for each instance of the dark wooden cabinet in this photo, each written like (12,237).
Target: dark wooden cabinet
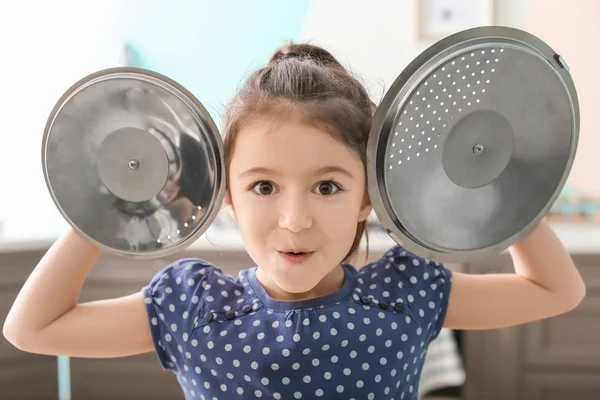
(555,358)
(552,359)
(560,386)
(22,375)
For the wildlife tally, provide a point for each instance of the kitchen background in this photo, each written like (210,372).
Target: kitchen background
(210,46)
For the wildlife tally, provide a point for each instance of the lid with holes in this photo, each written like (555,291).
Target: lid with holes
(473,143)
(134,163)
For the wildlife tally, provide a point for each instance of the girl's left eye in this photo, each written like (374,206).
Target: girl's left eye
(328,188)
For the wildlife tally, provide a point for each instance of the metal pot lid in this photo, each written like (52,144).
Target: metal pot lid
(473,143)
(134,162)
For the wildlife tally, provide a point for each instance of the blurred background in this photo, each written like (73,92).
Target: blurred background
(210,47)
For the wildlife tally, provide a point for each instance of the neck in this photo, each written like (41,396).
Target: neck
(331,283)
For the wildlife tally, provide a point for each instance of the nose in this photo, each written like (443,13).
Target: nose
(295,214)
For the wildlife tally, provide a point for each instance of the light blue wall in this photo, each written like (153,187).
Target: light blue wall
(208,46)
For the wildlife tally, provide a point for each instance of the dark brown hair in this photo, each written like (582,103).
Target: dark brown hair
(306,79)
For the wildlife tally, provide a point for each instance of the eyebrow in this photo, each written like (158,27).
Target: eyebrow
(321,171)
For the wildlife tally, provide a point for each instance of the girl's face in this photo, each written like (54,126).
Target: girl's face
(294,187)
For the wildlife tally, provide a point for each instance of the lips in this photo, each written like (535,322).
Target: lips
(296,251)
(291,257)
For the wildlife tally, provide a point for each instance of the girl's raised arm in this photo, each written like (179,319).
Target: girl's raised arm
(47,319)
(546,283)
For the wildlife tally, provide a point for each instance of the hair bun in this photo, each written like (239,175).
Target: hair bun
(305,51)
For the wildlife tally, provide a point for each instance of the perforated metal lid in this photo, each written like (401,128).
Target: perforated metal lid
(133,161)
(473,143)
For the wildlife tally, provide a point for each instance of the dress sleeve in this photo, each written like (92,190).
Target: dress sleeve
(174,302)
(425,286)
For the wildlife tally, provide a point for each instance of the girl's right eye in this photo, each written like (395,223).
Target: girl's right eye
(263,188)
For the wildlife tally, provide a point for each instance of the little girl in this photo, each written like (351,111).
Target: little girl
(304,323)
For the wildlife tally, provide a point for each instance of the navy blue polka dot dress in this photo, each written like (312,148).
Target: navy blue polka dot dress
(225,338)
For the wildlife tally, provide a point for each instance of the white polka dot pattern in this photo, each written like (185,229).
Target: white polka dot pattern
(366,341)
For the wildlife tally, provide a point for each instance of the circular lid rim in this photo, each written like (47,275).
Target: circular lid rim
(403,84)
(208,123)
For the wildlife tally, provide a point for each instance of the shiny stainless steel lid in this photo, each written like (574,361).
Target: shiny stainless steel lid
(134,162)
(473,143)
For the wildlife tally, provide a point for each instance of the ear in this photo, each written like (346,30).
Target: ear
(228,203)
(365,211)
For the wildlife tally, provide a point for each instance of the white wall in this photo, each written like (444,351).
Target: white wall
(377,39)
(207,46)
(45,46)
(573,30)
